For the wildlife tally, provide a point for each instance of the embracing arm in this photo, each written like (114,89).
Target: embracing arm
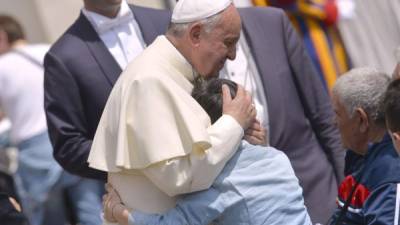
(200,208)
(66,121)
(314,98)
(198,170)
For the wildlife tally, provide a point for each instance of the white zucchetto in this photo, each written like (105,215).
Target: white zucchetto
(187,11)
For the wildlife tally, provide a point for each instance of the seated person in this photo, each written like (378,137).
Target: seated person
(256,186)
(392,112)
(368,193)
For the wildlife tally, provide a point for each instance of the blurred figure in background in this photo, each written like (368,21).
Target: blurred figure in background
(21,99)
(371,32)
(316,23)
(8,162)
(10,208)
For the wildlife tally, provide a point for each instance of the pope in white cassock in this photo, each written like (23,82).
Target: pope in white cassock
(154,140)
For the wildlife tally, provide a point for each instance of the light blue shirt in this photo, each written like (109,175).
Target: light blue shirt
(257,186)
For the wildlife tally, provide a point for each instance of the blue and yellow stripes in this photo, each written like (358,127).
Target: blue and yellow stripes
(322,41)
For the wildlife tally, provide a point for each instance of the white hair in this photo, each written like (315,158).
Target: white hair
(362,88)
(178,29)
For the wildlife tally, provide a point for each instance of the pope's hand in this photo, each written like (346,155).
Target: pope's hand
(110,201)
(240,108)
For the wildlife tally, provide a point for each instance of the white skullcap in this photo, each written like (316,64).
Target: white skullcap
(187,11)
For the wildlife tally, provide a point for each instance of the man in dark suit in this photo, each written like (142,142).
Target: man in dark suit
(80,71)
(298,108)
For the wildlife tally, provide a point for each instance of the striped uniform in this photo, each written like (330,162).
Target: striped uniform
(376,199)
(315,20)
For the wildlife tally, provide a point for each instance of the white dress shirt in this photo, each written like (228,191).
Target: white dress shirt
(121,34)
(243,71)
(21,92)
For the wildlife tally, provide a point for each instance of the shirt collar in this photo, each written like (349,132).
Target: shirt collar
(103,24)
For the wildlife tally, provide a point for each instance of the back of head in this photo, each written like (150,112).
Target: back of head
(208,93)
(363,88)
(391,105)
(11,28)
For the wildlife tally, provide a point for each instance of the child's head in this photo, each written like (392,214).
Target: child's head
(392,112)
(208,93)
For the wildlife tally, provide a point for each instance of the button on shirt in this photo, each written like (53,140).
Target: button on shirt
(121,34)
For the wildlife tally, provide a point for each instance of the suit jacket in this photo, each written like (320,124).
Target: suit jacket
(79,75)
(300,112)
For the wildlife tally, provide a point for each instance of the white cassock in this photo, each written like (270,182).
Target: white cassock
(154,140)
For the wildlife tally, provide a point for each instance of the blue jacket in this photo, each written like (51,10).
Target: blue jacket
(377,197)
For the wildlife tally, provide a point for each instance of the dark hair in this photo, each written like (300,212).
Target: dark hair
(12,29)
(208,93)
(391,105)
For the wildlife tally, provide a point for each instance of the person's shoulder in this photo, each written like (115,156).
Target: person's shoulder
(135,8)
(8,61)
(72,38)
(39,49)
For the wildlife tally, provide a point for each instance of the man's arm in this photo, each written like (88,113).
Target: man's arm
(382,206)
(315,100)
(200,208)
(66,121)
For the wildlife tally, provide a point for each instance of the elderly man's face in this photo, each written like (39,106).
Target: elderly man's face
(349,127)
(218,45)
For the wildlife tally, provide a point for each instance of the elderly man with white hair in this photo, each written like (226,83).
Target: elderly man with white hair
(370,192)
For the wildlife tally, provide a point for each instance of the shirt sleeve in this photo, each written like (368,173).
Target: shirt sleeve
(382,206)
(198,170)
(200,208)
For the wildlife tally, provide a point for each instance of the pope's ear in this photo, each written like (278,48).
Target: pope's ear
(194,33)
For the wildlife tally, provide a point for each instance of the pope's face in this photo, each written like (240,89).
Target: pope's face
(219,44)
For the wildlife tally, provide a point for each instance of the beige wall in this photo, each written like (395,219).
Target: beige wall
(46,20)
